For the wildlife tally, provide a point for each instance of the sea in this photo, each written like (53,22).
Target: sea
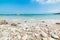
(40,16)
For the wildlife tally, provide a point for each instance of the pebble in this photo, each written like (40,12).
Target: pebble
(44,39)
(44,34)
(50,38)
(54,35)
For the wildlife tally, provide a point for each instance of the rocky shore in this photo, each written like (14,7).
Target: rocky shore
(29,29)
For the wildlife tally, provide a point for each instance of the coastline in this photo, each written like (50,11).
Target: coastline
(30,29)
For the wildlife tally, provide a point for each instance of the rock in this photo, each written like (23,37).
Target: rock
(54,36)
(43,21)
(58,23)
(25,37)
(13,24)
(43,34)
(25,21)
(18,23)
(3,22)
(50,38)
(44,39)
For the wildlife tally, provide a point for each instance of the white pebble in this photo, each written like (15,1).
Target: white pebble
(54,35)
(44,34)
(50,38)
(44,38)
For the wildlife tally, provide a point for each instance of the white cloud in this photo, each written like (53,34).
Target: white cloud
(52,1)
(53,11)
(47,1)
(39,1)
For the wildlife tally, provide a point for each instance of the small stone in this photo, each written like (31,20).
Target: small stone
(13,24)
(50,38)
(58,23)
(44,39)
(44,34)
(18,23)
(43,21)
(3,22)
(54,36)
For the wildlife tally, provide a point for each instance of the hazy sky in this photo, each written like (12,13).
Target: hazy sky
(29,6)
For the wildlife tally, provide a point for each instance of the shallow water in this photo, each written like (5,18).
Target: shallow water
(38,16)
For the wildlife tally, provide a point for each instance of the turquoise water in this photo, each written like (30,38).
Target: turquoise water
(44,16)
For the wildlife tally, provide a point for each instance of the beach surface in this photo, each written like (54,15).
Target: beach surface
(29,29)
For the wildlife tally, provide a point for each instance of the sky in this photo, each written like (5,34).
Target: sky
(29,6)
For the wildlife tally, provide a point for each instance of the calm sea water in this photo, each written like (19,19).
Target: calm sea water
(42,16)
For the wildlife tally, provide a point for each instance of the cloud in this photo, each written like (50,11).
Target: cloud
(53,11)
(47,1)
(52,1)
(39,1)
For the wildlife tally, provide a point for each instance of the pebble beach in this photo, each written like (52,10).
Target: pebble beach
(29,29)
